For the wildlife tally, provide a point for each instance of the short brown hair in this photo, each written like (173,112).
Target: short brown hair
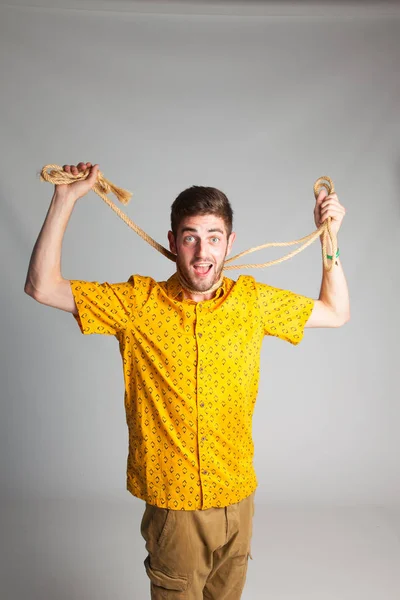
(200,200)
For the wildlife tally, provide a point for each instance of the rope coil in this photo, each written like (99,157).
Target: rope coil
(56,175)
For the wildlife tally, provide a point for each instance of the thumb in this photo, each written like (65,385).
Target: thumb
(93,174)
(322,194)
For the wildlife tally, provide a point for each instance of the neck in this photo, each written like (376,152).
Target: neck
(198,295)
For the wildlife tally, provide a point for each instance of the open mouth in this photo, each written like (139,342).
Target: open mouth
(202,268)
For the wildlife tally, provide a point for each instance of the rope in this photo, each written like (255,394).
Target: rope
(103,186)
(187,287)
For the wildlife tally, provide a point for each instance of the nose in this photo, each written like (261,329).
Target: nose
(201,250)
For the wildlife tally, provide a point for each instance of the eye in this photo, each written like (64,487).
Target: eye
(215,240)
(189,238)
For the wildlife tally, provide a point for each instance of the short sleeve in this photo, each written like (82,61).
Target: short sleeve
(103,308)
(284,314)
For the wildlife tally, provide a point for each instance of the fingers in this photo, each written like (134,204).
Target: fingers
(323,196)
(330,198)
(78,168)
(328,206)
(331,202)
(334,214)
(324,201)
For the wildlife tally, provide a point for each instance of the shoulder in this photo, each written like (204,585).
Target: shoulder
(140,282)
(243,290)
(245,284)
(242,282)
(145,287)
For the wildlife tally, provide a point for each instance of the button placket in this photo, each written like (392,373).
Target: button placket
(199,334)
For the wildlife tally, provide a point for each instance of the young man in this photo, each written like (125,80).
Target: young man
(191,351)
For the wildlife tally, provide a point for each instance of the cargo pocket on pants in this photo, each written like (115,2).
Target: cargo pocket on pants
(164,585)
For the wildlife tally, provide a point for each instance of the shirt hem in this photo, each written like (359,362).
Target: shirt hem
(132,489)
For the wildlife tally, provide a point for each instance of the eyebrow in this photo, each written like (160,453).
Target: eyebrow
(208,231)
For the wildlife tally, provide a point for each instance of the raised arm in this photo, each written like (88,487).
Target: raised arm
(332,309)
(44,281)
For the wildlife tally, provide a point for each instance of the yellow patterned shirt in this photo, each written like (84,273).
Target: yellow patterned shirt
(191,373)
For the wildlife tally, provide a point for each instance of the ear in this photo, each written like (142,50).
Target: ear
(172,245)
(231,239)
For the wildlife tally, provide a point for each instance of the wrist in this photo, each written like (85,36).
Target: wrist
(329,248)
(331,257)
(63,198)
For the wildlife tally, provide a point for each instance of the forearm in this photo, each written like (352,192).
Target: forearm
(45,264)
(334,292)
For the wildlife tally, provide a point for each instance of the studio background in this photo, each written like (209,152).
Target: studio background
(258,100)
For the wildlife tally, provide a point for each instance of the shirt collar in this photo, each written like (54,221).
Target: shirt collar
(175,290)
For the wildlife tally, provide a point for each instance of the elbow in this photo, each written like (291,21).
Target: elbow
(28,289)
(33,293)
(343,319)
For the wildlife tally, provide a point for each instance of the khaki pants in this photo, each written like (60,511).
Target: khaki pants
(198,554)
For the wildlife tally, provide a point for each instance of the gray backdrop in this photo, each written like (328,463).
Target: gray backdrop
(258,100)
(259,107)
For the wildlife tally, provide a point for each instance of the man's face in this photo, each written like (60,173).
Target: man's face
(201,246)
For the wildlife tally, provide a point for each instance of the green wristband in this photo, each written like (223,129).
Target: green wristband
(331,257)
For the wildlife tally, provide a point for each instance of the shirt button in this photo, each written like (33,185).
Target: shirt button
(202,404)
(203,439)
(204,472)
(200,334)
